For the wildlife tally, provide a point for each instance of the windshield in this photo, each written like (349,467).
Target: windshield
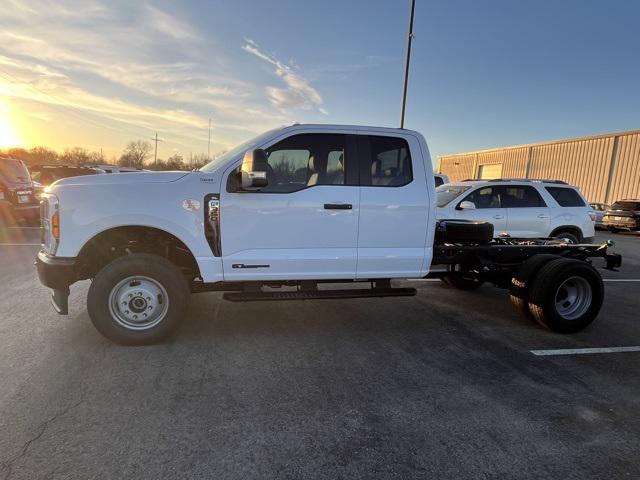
(447,192)
(240,149)
(14,170)
(625,206)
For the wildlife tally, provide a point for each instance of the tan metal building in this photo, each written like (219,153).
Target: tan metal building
(605,167)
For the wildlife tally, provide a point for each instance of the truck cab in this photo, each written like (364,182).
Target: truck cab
(301,203)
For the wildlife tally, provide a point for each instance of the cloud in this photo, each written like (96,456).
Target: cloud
(127,67)
(298,92)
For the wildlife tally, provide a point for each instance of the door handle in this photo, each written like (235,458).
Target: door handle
(498,217)
(338,206)
(543,216)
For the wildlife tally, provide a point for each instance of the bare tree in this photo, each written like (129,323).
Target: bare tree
(96,158)
(42,155)
(135,154)
(175,162)
(75,156)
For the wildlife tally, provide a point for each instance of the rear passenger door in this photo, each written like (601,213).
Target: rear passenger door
(488,202)
(394,212)
(527,213)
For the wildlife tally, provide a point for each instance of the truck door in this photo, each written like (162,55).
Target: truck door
(527,214)
(489,208)
(394,208)
(304,223)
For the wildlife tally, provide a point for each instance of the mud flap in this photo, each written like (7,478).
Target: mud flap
(60,301)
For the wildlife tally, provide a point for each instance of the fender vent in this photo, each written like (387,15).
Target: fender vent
(212,223)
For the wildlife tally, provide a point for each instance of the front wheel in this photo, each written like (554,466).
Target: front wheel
(138,299)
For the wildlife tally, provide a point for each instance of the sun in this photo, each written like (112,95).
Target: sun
(8,134)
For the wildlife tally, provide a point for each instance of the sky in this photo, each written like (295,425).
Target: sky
(99,73)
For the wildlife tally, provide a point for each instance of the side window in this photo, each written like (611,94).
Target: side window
(387,162)
(438,180)
(303,161)
(566,197)
(289,168)
(521,196)
(486,197)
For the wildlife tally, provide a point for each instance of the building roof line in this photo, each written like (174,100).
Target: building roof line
(539,144)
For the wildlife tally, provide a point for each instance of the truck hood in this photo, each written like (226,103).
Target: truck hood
(121,178)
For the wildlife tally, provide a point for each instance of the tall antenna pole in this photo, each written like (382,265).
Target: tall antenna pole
(209,142)
(406,64)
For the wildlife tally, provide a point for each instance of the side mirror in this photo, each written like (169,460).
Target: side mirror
(466,205)
(253,173)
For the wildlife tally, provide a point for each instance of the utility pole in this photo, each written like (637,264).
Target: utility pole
(209,143)
(155,154)
(406,64)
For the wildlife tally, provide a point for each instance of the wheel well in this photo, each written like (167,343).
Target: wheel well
(568,229)
(120,241)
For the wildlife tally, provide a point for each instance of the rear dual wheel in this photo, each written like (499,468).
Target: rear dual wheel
(565,295)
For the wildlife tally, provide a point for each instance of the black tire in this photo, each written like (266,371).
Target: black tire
(521,281)
(461,281)
(568,237)
(464,231)
(151,271)
(614,230)
(552,282)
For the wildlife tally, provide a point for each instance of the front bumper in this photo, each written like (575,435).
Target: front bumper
(57,273)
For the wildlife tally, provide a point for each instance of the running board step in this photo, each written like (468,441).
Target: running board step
(319,294)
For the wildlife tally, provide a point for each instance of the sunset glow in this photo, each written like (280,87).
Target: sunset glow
(8,133)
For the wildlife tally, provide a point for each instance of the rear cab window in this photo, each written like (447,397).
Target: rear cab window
(385,162)
(566,197)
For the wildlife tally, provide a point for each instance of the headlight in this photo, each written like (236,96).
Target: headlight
(50,223)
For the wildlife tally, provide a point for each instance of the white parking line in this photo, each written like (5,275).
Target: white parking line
(584,351)
(604,279)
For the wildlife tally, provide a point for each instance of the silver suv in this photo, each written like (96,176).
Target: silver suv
(521,208)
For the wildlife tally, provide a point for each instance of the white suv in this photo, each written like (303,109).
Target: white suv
(521,208)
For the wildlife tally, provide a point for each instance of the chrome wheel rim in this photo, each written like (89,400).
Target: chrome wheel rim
(138,303)
(573,298)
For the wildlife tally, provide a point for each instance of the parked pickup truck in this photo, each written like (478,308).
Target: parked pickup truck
(287,216)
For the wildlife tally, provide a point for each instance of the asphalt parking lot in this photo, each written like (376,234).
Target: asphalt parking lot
(441,385)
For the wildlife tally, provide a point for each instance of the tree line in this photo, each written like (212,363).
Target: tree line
(137,154)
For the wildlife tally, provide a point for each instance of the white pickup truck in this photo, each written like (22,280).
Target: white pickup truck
(286,216)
